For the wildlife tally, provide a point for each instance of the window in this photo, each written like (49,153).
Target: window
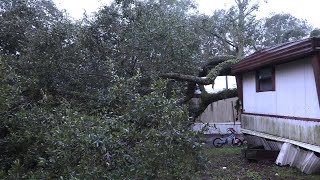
(265,80)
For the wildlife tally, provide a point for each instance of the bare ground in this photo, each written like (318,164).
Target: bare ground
(228,163)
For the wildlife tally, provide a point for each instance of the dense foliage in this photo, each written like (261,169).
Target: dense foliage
(54,138)
(81,101)
(85,99)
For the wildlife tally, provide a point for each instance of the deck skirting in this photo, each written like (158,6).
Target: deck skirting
(276,138)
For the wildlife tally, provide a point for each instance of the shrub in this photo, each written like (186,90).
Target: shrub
(130,137)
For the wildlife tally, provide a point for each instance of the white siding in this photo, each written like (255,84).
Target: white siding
(295,93)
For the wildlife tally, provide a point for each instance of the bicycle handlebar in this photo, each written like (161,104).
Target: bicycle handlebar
(231,130)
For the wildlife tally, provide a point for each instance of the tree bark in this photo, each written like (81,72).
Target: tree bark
(217,60)
(224,66)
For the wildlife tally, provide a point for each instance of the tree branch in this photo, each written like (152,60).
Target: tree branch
(218,59)
(218,35)
(206,99)
(209,79)
(224,39)
(189,78)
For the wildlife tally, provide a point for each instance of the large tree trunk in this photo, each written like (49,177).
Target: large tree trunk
(220,65)
(223,68)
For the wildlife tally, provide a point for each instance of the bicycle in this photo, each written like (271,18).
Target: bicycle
(219,142)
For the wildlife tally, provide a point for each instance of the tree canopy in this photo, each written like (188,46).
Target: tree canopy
(107,96)
(281,28)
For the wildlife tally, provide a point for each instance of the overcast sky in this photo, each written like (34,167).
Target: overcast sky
(306,9)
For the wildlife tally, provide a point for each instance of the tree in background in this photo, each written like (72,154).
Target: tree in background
(281,28)
(229,35)
(315,33)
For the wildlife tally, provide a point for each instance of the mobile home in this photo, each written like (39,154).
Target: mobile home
(279,88)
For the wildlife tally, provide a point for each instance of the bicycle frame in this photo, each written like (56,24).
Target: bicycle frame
(231,136)
(218,142)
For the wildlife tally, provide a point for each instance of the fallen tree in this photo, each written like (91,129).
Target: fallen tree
(217,66)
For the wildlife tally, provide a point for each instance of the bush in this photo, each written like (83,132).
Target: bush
(130,137)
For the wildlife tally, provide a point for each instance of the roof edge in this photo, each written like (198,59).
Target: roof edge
(279,54)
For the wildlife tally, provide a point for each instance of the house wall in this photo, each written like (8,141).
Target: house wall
(291,111)
(295,92)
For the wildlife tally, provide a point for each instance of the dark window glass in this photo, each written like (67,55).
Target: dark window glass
(265,80)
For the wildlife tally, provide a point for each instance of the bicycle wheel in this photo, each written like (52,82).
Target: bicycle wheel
(218,142)
(236,142)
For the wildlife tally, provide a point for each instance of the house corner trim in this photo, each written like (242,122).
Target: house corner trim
(316,70)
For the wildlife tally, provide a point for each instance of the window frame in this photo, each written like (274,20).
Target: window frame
(273,81)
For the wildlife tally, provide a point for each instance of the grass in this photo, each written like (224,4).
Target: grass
(228,163)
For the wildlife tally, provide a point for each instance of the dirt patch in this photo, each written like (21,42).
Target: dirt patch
(228,163)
